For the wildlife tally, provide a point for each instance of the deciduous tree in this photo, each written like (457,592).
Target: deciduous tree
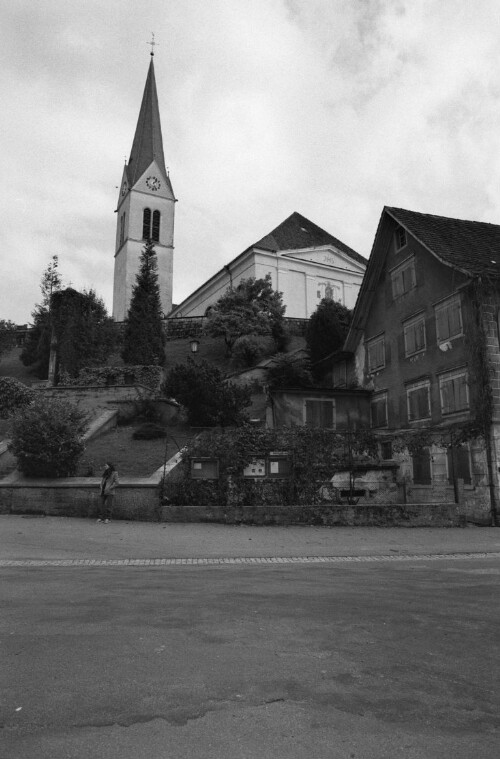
(250,308)
(209,399)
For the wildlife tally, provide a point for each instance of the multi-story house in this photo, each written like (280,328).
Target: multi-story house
(425,341)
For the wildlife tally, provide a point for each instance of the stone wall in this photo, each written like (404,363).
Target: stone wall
(330,515)
(137,500)
(140,500)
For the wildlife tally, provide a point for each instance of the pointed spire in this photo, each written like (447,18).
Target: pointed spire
(148,143)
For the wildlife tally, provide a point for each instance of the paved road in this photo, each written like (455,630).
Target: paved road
(371,659)
(64,538)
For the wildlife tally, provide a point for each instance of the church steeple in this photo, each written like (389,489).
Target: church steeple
(145,206)
(148,143)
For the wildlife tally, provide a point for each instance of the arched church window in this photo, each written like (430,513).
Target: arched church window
(122,228)
(146,224)
(155,234)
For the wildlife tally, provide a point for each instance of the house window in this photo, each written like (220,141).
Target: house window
(458,460)
(319,413)
(454,392)
(146,224)
(340,374)
(422,470)
(400,237)
(418,401)
(403,278)
(414,335)
(375,351)
(155,232)
(449,319)
(379,410)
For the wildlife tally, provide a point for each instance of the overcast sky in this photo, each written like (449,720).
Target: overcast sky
(333,108)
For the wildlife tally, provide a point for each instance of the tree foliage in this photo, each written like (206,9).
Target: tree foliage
(289,371)
(326,331)
(84,331)
(144,339)
(7,335)
(14,395)
(36,348)
(251,308)
(210,400)
(47,438)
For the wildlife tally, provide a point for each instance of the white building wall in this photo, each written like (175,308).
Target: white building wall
(302,282)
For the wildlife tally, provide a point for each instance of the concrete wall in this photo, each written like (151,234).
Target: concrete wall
(288,407)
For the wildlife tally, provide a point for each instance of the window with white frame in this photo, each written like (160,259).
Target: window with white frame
(414,335)
(454,391)
(400,238)
(418,400)
(403,278)
(378,408)
(449,319)
(375,353)
(319,413)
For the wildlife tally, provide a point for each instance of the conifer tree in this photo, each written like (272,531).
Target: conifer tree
(144,339)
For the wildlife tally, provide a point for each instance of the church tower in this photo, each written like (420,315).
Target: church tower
(145,207)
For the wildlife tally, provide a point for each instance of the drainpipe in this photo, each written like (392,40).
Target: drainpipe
(491,475)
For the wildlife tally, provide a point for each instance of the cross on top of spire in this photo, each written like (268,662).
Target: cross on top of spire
(152,43)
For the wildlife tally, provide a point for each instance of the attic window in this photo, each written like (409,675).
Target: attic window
(400,238)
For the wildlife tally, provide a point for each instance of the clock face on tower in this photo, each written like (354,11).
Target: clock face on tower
(153,183)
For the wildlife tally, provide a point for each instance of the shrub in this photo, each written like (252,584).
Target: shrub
(289,371)
(208,397)
(13,396)
(47,438)
(149,431)
(247,351)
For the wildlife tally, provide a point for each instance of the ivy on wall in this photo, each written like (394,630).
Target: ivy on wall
(315,456)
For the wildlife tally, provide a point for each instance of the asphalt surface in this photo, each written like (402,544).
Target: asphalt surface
(388,649)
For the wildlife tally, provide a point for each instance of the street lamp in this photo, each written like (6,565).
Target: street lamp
(194,345)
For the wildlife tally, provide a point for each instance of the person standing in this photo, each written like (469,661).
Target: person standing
(108,485)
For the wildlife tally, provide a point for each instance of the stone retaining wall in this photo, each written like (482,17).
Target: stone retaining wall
(140,500)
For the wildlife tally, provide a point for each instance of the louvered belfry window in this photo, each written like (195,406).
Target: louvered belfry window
(146,224)
(151,225)
(155,232)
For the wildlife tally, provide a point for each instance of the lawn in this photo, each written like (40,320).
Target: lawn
(132,458)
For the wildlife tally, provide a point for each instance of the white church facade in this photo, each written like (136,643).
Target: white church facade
(306,264)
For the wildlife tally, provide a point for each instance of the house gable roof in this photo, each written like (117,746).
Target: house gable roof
(297,232)
(472,247)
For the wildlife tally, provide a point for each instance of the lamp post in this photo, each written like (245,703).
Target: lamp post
(194,344)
